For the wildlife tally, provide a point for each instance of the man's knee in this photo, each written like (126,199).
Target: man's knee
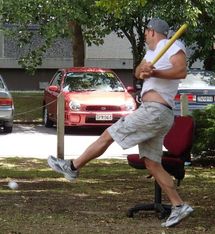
(151,166)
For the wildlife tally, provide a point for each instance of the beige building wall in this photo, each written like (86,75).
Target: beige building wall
(115,54)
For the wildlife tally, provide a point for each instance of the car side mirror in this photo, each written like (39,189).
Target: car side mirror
(130,89)
(54,88)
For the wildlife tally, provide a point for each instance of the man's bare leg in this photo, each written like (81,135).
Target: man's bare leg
(95,150)
(164,180)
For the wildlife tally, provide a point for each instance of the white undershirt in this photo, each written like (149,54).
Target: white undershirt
(167,88)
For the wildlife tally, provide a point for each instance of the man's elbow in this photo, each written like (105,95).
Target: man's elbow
(184,73)
(136,74)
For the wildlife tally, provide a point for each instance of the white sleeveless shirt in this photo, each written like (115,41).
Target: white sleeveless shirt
(167,88)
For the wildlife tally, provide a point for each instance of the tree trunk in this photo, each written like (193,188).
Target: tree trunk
(137,58)
(77,45)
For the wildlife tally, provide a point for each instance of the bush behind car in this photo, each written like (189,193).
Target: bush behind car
(204,141)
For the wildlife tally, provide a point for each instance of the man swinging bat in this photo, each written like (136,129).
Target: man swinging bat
(146,126)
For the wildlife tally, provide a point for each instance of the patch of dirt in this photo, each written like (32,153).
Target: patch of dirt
(99,200)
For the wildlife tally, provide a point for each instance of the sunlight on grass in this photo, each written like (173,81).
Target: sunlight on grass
(200,172)
(82,195)
(110,192)
(89,181)
(8,165)
(8,191)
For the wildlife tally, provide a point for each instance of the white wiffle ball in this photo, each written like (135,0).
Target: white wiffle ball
(13,185)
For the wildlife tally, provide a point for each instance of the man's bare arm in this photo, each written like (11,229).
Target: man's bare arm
(178,70)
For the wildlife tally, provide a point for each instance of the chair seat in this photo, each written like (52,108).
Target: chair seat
(174,166)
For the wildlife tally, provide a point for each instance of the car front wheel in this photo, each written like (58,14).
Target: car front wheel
(47,122)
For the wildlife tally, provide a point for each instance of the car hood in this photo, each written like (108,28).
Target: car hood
(205,90)
(196,87)
(97,98)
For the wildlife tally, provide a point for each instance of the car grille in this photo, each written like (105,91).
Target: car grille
(103,108)
(93,120)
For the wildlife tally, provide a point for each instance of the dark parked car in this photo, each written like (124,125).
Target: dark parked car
(199,86)
(93,97)
(6,108)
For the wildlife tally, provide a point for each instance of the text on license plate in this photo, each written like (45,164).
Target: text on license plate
(103,117)
(205,99)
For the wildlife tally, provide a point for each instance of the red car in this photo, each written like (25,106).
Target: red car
(93,97)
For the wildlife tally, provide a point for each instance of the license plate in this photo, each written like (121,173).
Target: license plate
(205,99)
(103,117)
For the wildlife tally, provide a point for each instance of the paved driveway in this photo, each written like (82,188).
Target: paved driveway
(36,141)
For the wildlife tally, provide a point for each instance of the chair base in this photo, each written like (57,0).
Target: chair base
(162,210)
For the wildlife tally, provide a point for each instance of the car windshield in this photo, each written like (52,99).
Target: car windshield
(92,81)
(201,79)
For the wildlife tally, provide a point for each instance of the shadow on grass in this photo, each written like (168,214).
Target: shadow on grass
(97,202)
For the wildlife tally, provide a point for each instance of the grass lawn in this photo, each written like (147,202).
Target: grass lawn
(28,106)
(97,202)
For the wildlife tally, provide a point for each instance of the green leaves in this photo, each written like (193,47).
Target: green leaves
(96,18)
(33,59)
(53,19)
(118,7)
(204,143)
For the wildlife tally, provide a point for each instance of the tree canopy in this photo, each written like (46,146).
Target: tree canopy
(81,21)
(89,21)
(199,14)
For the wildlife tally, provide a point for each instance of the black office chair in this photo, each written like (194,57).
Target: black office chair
(178,143)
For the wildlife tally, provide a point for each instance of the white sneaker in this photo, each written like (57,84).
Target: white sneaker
(177,214)
(63,166)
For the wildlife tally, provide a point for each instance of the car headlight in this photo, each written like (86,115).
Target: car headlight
(75,106)
(130,106)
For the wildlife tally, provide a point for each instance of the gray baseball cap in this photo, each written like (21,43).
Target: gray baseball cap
(159,25)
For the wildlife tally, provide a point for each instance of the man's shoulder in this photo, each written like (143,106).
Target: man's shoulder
(181,45)
(162,43)
(177,43)
(175,47)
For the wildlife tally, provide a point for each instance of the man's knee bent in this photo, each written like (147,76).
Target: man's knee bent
(151,166)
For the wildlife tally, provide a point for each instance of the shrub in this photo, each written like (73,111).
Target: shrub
(204,139)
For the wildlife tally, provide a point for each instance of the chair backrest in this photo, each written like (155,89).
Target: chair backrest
(180,137)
